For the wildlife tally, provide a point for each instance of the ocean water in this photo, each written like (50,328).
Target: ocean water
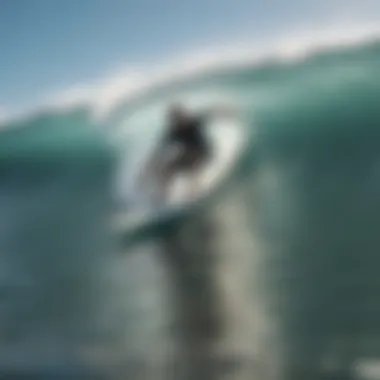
(275,277)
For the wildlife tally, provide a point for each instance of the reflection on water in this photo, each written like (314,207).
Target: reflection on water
(200,293)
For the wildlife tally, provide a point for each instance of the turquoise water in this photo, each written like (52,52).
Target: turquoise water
(280,270)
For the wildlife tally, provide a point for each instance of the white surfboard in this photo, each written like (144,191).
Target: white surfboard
(228,139)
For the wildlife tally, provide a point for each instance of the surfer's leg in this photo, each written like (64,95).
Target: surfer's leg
(164,178)
(162,188)
(194,182)
(195,172)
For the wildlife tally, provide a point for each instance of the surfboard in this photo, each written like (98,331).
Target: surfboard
(228,138)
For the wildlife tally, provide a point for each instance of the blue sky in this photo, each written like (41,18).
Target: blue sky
(50,45)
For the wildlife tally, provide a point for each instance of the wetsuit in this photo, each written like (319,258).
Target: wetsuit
(193,144)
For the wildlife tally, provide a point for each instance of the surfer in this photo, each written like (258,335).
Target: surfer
(185,148)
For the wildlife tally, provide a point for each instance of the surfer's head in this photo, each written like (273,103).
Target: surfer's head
(177,113)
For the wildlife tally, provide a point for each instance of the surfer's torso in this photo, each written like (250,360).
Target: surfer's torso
(190,142)
(189,135)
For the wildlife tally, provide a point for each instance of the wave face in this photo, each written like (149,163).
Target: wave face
(302,218)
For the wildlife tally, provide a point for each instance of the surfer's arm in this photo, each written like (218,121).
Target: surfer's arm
(154,162)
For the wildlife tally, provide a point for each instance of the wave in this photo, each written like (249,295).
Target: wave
(131,83)
(314,194)
(127,83)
